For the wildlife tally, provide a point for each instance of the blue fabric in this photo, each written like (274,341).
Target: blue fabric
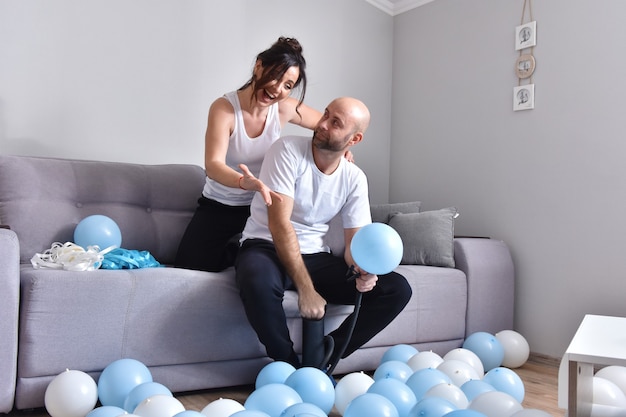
(128,259)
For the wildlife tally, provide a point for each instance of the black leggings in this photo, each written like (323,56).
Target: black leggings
(262,283)
(210,241)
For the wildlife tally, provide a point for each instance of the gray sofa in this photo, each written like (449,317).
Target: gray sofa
(187,326)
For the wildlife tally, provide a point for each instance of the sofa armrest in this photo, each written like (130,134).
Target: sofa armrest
(9,315)
(488,265)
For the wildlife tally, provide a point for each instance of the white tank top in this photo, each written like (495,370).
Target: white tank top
(243,149)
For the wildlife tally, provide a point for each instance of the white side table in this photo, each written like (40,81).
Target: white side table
(599,340)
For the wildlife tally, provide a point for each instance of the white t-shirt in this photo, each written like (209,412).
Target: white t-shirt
(289,168)
(242,149)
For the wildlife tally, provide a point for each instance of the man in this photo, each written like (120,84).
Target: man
(283,243)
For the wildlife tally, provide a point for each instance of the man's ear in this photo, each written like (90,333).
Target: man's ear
(356,138)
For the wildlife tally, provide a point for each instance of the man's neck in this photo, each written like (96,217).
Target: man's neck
(326,161)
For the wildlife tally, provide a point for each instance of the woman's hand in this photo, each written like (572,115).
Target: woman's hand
(250,182)
(349,156)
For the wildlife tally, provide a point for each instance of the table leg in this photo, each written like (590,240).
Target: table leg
(580,391)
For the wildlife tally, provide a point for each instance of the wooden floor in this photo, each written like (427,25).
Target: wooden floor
(539,377)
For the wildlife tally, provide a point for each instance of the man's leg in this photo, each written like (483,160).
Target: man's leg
(379,306)
(262,281)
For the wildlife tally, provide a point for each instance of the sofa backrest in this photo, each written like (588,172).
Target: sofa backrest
(43,199)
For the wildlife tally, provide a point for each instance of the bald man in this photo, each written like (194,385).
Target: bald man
(282,245)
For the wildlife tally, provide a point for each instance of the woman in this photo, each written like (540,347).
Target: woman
(241,127)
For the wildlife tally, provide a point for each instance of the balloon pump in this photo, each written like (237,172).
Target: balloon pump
(376,248)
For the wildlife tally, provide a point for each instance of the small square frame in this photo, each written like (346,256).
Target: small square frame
(524,97)
(526,35)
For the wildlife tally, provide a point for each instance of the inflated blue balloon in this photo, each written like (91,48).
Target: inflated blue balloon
(505,380)
(143,391)
(303,410)
(314,386)
(474,387)
(397,392)
(119,378)
(249,413)
(189,413)
(400,353)
(371,405)
(272,399)
(377,248)
(97,230)
(393,369)
(432,407)
(424,379)
(106,411)
(466,412)
(274,373)
(487,347)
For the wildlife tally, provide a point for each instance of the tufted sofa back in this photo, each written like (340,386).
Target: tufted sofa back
(43,199)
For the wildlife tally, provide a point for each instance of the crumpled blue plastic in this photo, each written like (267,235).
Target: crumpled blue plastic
(120,258)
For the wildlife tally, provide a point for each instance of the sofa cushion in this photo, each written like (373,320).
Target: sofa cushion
(151,204)
(381,213)
(428,237)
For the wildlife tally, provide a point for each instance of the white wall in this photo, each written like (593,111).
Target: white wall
(132,80)
(549,181)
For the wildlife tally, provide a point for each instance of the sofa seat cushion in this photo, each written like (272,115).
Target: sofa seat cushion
(161,316)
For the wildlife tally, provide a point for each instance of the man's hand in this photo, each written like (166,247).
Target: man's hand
(311,304)
(365,281)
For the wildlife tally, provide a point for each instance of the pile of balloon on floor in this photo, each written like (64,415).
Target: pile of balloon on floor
(475,380)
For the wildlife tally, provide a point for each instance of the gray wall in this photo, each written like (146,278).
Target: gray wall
(133,80)
(548,181)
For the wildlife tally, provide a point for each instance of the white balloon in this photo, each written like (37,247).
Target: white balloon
(222,407)
(423,360)
(531,412)
(615,374)
(606,392)
(449,392)
(159,406)
(349,387)
(467,356)
(495,404)
(71,394)
(459,372)
(516,348)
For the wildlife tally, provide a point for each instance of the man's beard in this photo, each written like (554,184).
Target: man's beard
(327,145)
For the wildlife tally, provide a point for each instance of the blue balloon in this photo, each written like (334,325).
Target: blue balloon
(371,405)
(106,411)
(119,378)
(424,379)
(507,381)
(432,407)
(400,353)
(397,392)
(393,369)
(272,399)
(143,391)
(377,248)
(474,387)
(249,413)
(314,386)
(466,412)
(97,230)
(303,410)
(488,349)
(189,413)
(274,373)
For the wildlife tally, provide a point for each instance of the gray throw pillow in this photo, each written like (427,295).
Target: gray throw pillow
(381,213)
(428,237)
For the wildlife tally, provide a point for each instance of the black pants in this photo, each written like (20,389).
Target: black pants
(209,242)
(262,283)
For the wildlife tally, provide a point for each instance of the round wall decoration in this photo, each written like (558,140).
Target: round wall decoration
(525,66)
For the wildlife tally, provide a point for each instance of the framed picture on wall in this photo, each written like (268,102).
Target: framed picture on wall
(524,97)
(526,35)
